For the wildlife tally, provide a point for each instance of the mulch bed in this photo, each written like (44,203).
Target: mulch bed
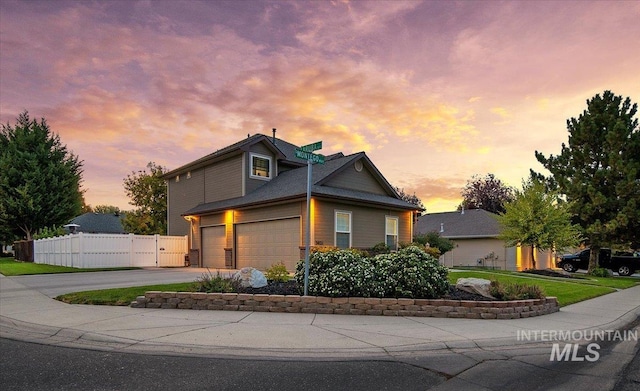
(547,272)
(291,288)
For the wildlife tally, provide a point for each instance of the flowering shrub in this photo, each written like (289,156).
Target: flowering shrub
(336,273)
(410,272)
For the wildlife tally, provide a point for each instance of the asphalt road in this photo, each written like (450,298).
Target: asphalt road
(31,366)
(28,366)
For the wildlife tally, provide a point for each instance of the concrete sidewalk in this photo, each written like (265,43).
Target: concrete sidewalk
(28,315)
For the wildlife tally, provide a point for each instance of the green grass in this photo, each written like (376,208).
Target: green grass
(579,278)
(11,267)
(568,291)
(121,296)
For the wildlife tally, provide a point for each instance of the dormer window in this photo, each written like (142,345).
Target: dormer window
(261,167)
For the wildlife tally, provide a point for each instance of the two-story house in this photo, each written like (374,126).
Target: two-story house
(245,205)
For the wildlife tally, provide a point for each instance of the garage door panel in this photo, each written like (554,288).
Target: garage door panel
(264,243)
(213,243)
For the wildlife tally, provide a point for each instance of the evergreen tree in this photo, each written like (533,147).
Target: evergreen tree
(599,172)
(39,178)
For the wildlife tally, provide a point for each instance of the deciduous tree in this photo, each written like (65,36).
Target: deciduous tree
(538,219)
(599,172)
(410,198)
(39,178)
(488,193)
(107,209)
(148,193)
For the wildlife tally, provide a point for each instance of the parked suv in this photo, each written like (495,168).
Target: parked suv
(624,264)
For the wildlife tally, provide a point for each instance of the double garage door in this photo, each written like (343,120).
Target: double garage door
(259,244)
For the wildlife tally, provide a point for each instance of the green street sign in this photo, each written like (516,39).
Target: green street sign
(315,158)
(312,147)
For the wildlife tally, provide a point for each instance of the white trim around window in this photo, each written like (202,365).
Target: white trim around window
(391,232)
(260,166)
(342,229)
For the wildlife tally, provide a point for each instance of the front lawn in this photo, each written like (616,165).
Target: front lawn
(121,296)
(568,291)
(11,267)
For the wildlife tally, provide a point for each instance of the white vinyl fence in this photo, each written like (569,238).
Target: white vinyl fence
(108,250)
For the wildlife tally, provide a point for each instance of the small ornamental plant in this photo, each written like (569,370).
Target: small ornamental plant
(215,283)
(277,273)
(515,291)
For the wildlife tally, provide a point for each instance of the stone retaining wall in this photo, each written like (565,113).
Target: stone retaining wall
(439,308)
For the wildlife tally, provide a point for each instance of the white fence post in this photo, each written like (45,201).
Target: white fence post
(156,237)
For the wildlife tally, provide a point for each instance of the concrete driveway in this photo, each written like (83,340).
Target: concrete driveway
(53,285)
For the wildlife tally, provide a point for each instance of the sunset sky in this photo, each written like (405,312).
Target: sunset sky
(433,91)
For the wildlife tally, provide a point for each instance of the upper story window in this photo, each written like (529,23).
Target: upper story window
(261,166)
(343,229)
(391,229)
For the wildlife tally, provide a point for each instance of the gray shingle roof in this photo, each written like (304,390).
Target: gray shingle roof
(292,184)
(285,150)
(99,223)
(474,223)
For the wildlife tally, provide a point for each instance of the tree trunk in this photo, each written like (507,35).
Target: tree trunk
(533,256)
(593,257)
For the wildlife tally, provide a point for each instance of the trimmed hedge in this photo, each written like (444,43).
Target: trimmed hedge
(408,273)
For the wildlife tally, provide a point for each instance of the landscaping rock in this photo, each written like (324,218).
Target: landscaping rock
(478,286)
(250,278)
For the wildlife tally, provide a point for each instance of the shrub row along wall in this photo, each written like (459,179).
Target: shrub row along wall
(440,308)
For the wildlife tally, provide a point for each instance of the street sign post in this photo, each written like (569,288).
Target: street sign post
(314,158)
(305,152)
(312,147)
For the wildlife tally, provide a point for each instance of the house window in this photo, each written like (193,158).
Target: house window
(391,229)
(260,166)
(343,229)
(188,174)
(177,178)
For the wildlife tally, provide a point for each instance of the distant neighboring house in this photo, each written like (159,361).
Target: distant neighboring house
(98,223)
(475,235)
(245,205)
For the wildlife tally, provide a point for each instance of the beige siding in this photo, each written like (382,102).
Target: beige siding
(367,224)
(269,213)
(354,180)
(223,180)
(216,219)
(467,252)
(261,149)
(544,259)
(183,195)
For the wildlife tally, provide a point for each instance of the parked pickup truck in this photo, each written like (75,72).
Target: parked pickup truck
(624,264)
